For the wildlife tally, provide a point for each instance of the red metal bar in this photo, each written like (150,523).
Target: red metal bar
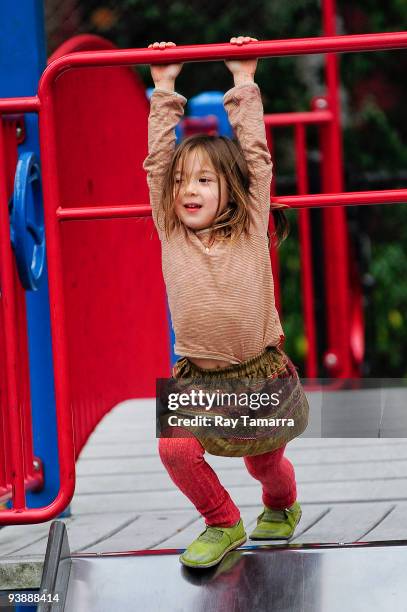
(311,117)
(23,476)
(198,125)
(351,198)
(56,297)
(20,105)
(13,340)
(103,212)
(335,233)
(221,51)
(307,282)
(14,413)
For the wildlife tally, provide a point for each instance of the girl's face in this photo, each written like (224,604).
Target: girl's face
(197,200)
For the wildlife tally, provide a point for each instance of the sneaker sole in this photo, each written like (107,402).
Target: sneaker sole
(218,560)
(268,537)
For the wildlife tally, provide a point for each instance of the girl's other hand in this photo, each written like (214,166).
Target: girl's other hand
(164,75)
(242,70)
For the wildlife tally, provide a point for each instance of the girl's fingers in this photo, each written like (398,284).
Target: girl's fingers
(161,45)
(239,40)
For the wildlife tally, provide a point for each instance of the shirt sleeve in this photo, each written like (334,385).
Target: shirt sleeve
(244,107)
(166,110)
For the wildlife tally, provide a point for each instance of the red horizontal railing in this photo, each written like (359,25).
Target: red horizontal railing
(306,117)
(351,198)
(44,104)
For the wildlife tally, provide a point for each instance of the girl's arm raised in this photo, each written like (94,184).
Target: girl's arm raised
(164,75)
(245,111)
(166,110)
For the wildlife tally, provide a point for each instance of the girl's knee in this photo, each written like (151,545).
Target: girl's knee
(253,467)
(259,466)
(178,451)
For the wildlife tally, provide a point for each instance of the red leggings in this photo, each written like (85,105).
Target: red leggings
(184,460)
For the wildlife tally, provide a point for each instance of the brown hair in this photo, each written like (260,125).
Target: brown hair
(227,158)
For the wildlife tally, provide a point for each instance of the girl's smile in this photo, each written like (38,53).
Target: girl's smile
(191,207)
(197,196)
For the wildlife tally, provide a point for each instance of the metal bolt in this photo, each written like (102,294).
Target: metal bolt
(321,103)
(19,131)
(36,465)
(331,360)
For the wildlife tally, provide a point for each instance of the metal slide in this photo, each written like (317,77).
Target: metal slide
(290,578)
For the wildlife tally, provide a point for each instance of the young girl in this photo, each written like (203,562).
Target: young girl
(210,199)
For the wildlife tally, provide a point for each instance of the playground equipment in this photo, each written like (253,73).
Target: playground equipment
(67,88)
(91,160)
(59,211)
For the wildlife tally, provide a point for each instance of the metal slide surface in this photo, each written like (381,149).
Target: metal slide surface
(326,579)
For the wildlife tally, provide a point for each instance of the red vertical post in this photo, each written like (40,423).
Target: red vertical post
(311,369)
(337,358)
(63,399)
(14,435)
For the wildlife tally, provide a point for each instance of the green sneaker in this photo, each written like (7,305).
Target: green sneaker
(277,524)
(212,545)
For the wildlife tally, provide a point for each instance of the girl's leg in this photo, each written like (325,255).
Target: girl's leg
(277,476)
(184,462)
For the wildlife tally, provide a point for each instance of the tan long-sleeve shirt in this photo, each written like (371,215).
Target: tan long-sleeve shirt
(221,299)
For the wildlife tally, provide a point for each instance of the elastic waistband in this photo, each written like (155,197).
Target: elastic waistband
(184,365)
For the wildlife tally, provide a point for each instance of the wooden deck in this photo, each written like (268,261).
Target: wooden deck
(350,489)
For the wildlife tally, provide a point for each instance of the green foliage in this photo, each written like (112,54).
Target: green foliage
(290,280)
(140,22)
(388,316)
(376,144)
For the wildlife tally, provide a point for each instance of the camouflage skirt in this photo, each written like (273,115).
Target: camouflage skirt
(245,409)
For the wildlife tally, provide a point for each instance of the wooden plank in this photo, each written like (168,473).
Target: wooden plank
(150,530)
(15,537)
(238,476)
(375,451)
(123,450)
(133,502)
(392,526)
(153,463)
(326,493)
(120,465)
(85,531)
(344,523)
